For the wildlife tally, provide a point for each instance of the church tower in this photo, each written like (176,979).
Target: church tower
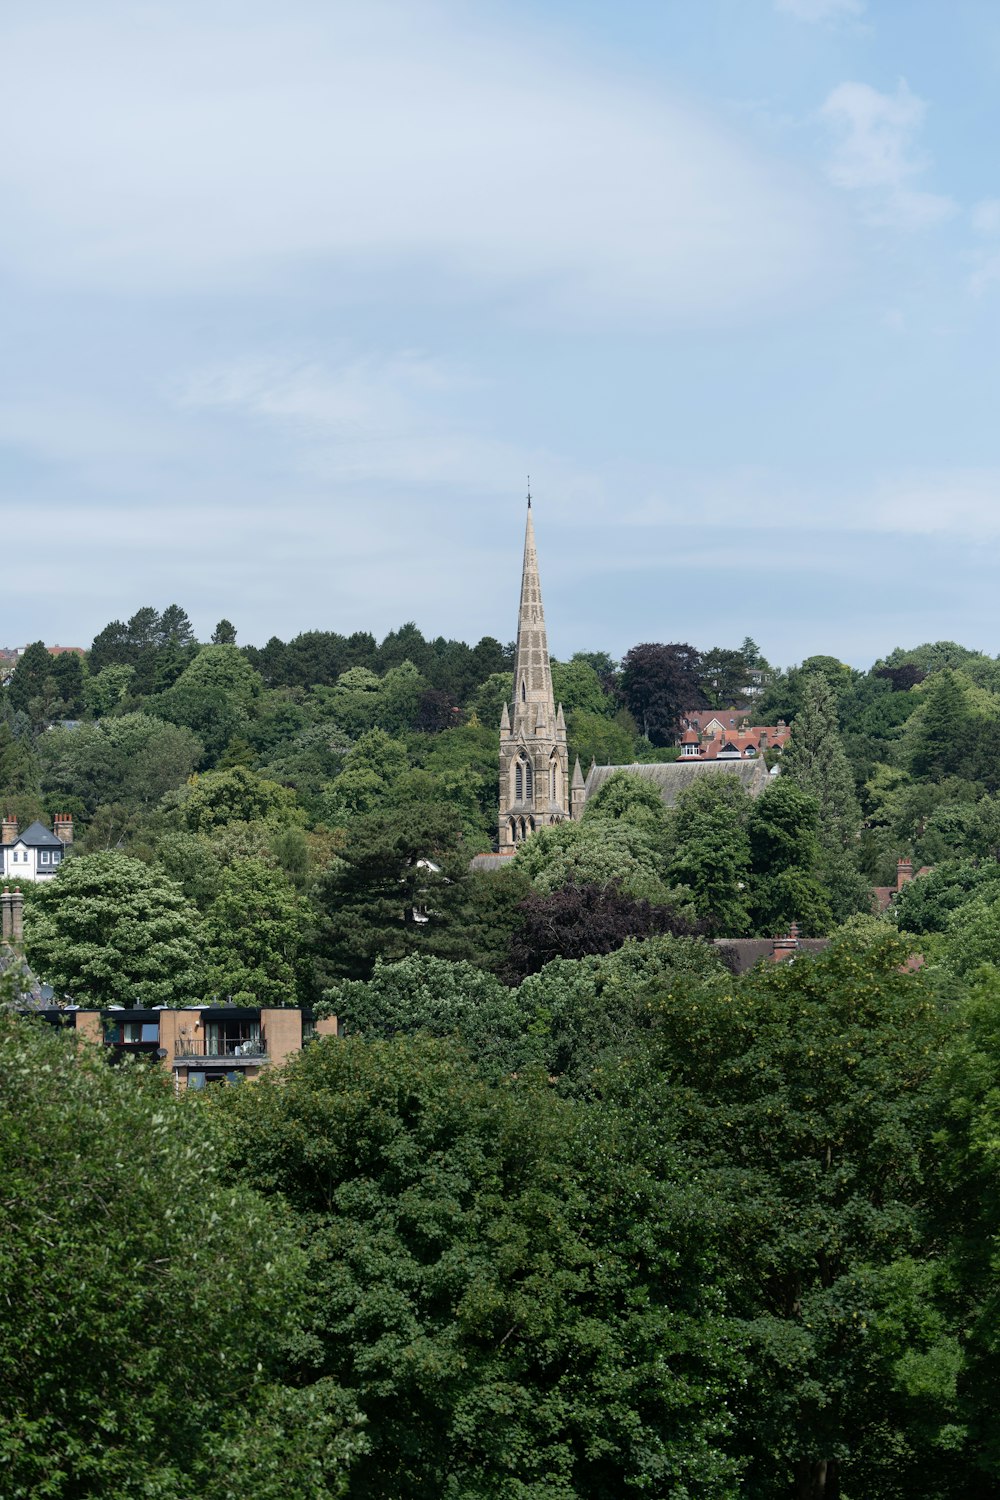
(534,764)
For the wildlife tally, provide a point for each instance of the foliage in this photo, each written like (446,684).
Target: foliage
(712,856)
(253,936)
(394,890)
(576,920)
(130,1262)
(132,760)
(658,683)
(109,930)
(504,1322)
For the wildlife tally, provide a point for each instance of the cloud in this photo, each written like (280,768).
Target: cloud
(876,153)
(219,147)
(820,10)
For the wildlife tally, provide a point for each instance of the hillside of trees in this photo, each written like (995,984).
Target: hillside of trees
(569,1209)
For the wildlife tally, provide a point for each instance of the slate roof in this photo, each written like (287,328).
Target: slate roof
(490,861)
(676,776)
(37,836)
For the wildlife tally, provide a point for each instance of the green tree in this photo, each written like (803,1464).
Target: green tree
(712,852)
(395,889)
(815,761)
(806,1093)
(126,1370)
(784,857)
(577,686)
(515,1308)
(214,697)
(105,690)
(109,930)
(239,795)
(131,760)
(604,852)
(253,936)
(224,633)
(441,998)
(175,628)
(32,690)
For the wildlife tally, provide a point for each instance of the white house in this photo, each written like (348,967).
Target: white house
(37,853)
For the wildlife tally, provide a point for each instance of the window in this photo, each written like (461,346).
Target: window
(524,695)
(529,790)
(519,782)
(43,856)
(232,1039)
(140,1031)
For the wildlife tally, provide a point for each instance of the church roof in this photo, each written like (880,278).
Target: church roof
(673,777)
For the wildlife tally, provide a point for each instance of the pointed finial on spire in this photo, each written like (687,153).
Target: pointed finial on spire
(529,491)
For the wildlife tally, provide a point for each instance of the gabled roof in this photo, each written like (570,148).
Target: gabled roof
(37,836)
(673,777)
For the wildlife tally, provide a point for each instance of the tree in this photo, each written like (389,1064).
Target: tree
(602,852)
(111,647)
(712,852)
(236,796)
(31,690)
(658,683)
(125,1370)
(806,1093)
(784,857)
(109,687)
(213,697)
(515,1309)
(394,890)
(815,761)
(132,760)
(577,920)
(439,998)
(941,734)
(253,937)
(224,633)
(577,686)
(109,930)
(174,628)
(66,673)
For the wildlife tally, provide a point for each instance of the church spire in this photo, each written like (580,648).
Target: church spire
(534,772)
(534,703)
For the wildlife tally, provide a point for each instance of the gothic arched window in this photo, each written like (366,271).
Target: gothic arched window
(529,788)
(519,782)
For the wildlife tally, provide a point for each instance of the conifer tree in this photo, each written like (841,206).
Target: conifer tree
(815,760)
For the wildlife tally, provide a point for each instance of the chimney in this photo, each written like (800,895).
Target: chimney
(904,873)
(786,947)
(62,827)
(9,829)
(17,916)
(8,925)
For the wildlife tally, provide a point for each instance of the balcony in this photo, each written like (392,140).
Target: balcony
(212,1052)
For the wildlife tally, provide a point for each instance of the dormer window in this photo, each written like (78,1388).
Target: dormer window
(524,692)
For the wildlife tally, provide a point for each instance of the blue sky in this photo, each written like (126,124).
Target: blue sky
(295,297)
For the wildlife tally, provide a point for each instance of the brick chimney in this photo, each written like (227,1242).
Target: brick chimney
(786,947)
(904,873)
(9,829)
(17,915)
(62,827)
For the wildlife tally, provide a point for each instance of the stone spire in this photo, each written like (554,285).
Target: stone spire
(534,708)
(534,773)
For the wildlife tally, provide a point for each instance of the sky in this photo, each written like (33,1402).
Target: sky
(295,297)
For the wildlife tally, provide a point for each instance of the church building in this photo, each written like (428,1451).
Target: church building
(535,785)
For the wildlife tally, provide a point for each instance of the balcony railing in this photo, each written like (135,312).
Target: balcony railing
(253,1047)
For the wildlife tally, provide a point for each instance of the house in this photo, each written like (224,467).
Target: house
(727,734)
(199,1045)
(37,853)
